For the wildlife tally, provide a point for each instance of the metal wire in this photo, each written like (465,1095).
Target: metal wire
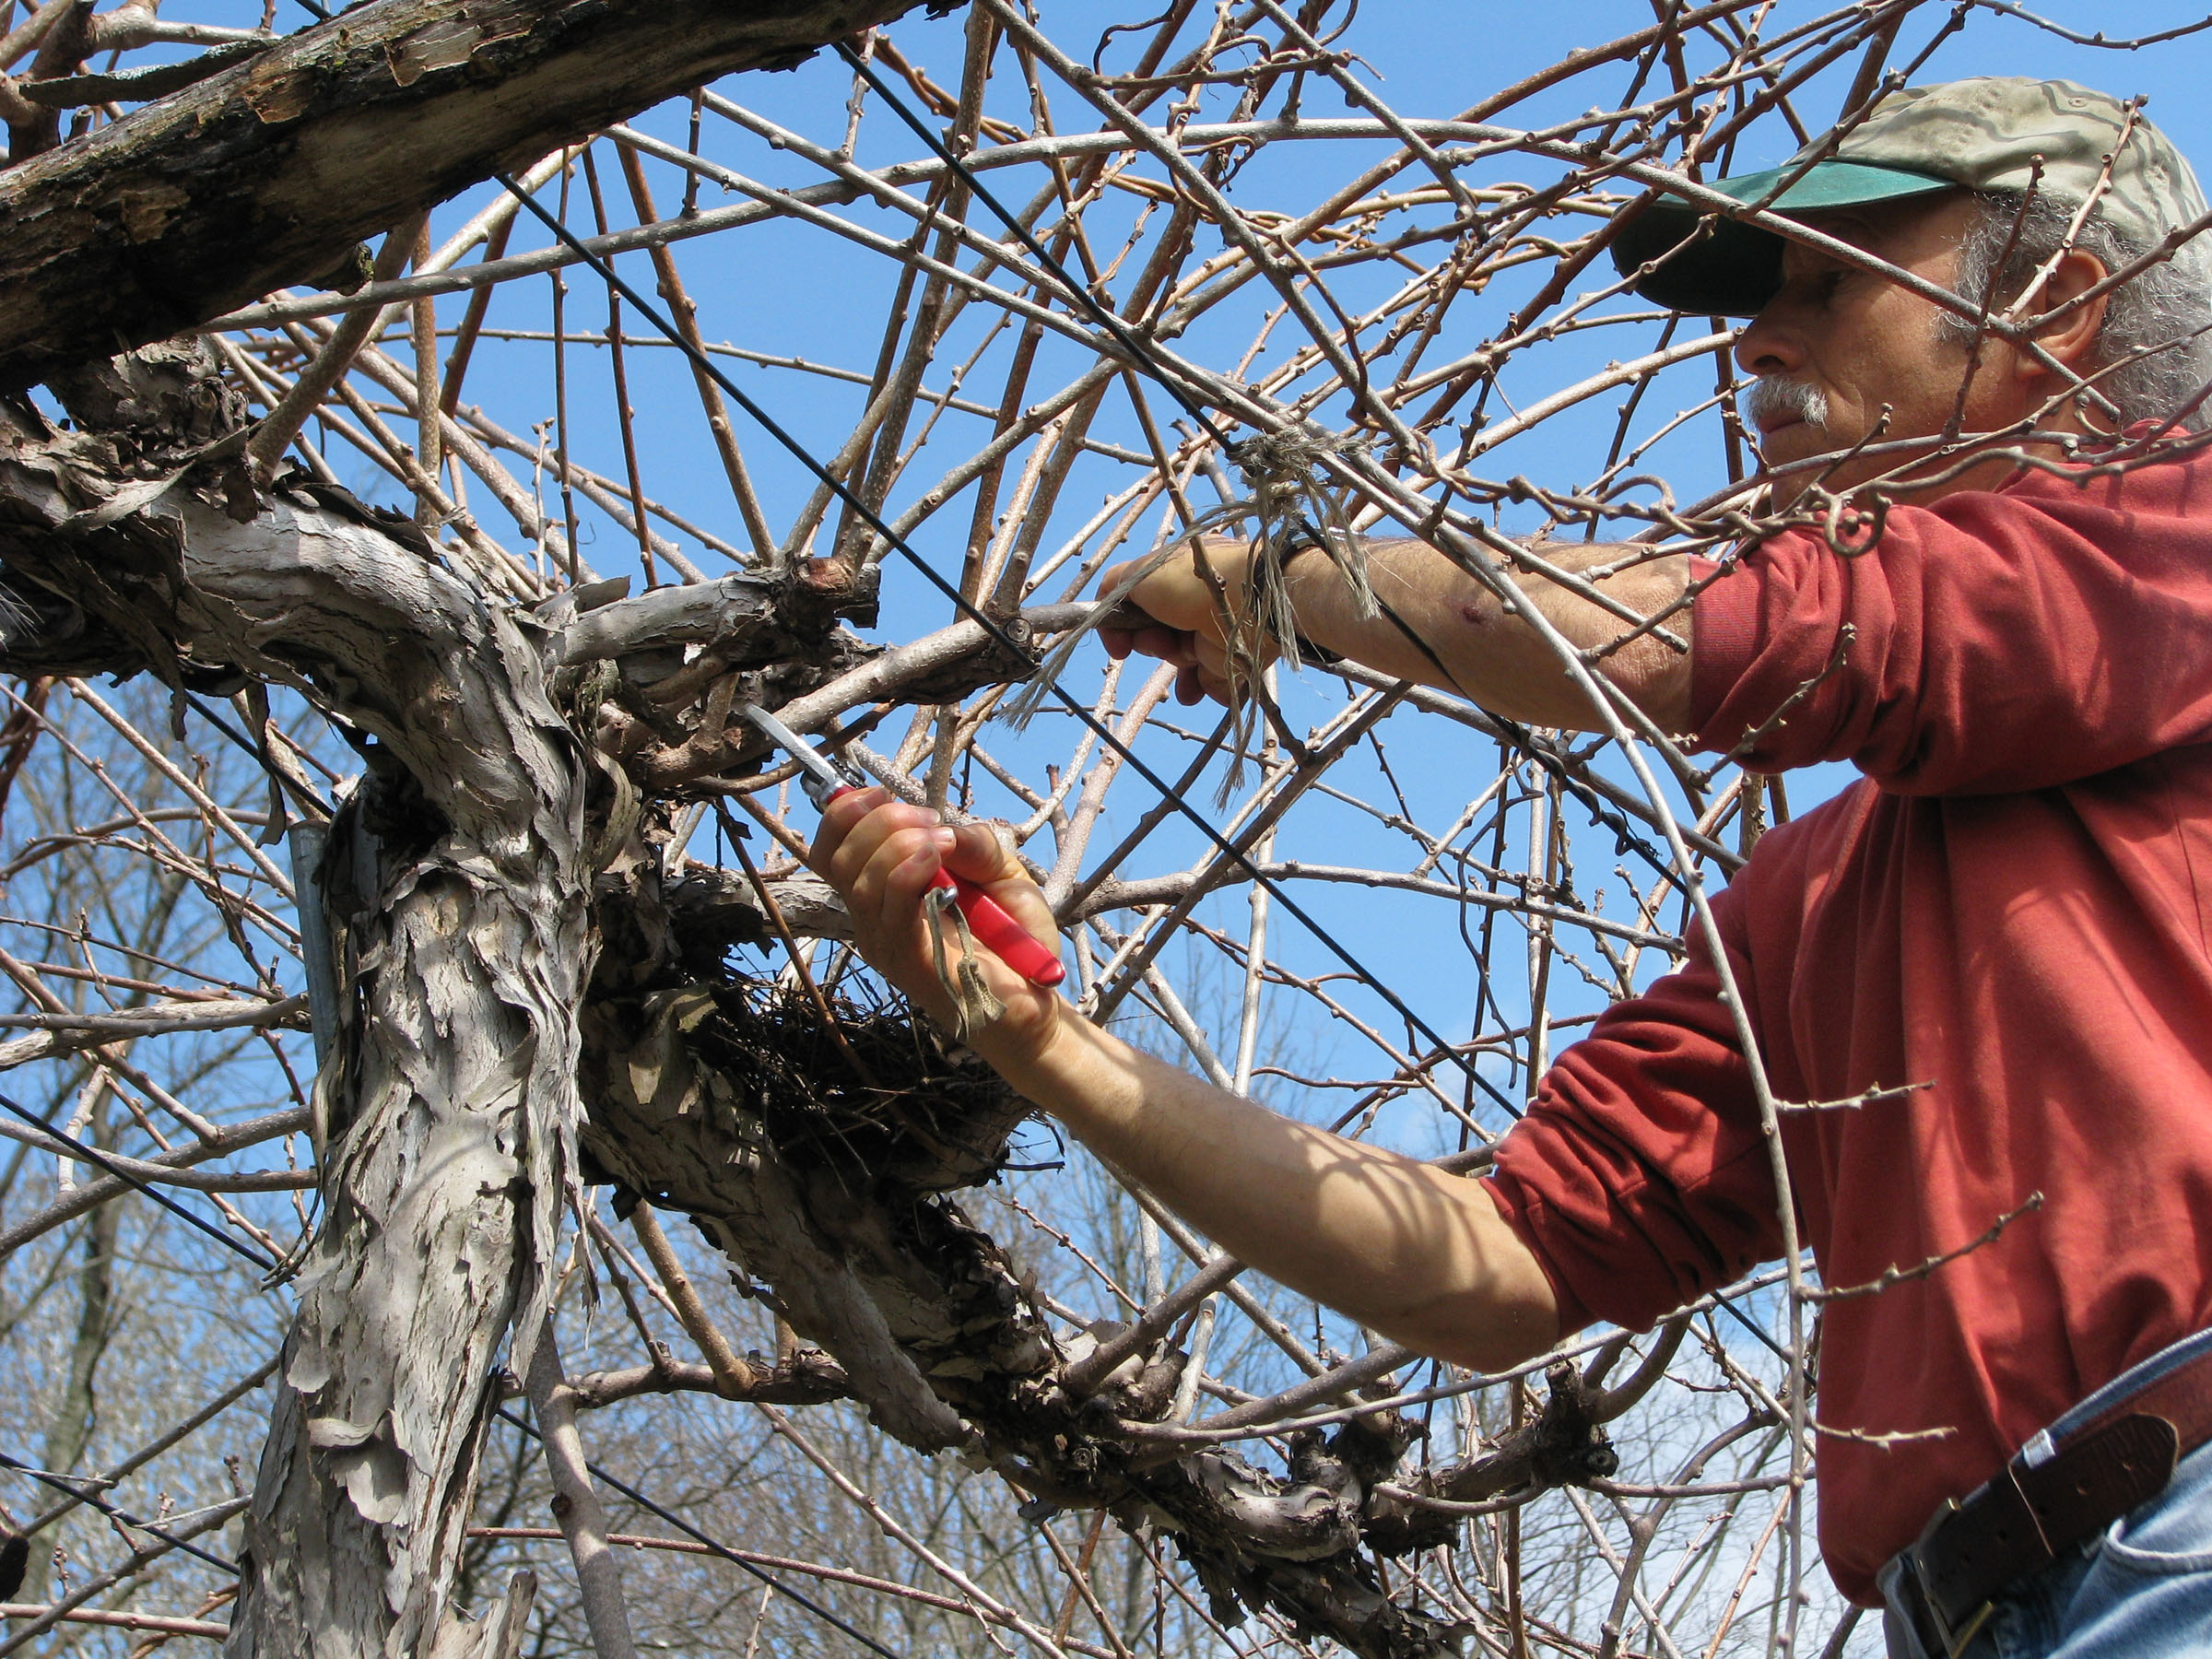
(63,1483)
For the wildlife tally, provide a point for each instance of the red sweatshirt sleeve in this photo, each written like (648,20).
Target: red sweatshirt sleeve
(1639,1179)
(2001,641)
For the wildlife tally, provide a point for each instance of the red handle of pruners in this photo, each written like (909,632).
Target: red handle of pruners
(1015,946)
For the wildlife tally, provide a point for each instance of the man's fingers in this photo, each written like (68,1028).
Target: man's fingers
(1172,593)
(904,868)
(842,818)
(978,854)
(857,826)
(1170,645)
(1197,682)
(884,895)
(883,855)
(1113,576)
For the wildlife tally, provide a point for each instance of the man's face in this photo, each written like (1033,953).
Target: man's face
(1836,344)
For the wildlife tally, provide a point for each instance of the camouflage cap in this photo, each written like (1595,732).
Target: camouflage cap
(1982,134)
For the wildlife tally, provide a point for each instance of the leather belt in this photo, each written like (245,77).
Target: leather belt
(2056,1493)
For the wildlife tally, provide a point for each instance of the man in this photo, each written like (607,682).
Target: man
(2001,934)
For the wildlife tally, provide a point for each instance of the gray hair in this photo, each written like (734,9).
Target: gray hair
(2156,341)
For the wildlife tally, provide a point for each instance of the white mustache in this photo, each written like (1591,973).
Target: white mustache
(1773,398)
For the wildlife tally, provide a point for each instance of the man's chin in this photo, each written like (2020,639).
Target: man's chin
(1799,458)
(1786,446)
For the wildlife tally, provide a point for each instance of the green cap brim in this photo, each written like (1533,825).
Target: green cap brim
(1733,269)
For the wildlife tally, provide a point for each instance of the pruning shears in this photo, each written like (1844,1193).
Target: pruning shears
(824,778)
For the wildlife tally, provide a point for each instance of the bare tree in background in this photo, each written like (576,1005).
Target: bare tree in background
(415,917)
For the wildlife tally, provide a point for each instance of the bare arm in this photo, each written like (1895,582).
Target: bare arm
(1412,1251)
(1489,652)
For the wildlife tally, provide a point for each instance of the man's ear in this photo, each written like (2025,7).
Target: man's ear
(2072,339)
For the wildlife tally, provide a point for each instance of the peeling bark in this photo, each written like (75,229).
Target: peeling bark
(270,171)
(449,1111)
(444,1187)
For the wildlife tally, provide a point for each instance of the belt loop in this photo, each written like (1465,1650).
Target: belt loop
(1913,1612)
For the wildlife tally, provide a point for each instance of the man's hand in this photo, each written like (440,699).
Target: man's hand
(1177,617)
(881,855)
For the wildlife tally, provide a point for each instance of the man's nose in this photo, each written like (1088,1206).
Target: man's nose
(1768,346)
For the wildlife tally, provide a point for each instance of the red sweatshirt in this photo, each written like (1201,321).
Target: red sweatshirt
(2009,907)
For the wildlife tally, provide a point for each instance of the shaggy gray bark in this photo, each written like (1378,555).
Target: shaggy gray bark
(445,1176)
(449,1108)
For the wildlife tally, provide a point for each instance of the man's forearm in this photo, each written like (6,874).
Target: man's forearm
(1414,1252)
(1488,651)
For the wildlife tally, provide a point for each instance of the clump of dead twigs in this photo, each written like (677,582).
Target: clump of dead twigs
(874,1093)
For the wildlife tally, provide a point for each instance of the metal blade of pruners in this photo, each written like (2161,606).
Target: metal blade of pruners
(821,776)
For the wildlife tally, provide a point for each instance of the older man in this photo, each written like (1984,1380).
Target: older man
(2011,911)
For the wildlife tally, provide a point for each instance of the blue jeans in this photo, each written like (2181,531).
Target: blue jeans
(2140,1590)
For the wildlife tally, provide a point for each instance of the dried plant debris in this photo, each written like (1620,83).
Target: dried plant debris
(873,1097)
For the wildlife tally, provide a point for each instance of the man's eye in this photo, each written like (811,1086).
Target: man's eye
(1826,283)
